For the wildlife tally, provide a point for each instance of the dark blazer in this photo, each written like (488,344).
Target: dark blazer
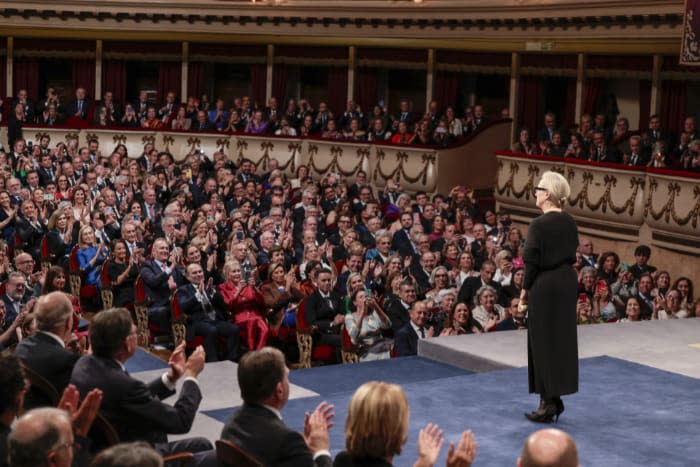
(263,435)
(45,177)
(11,313)
(319,312)
(397,314)
(344,459)
(58,249)
(134,408)
(470,286)
(401,241)
(31,236)
(41,353)
(194,309)
(155,281)
(72,109)
(406,341)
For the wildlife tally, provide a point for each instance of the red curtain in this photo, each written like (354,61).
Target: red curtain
(195,80)
(531,103)
(258,83)
(26,76)
(570,111)
(591,94)
(445,89)
(169,79)
(114,79)
(337,89)
(673,105)
(366,94)
(84,76)
(644,103)
(280,74)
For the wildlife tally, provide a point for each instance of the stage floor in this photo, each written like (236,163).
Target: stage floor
(671,345)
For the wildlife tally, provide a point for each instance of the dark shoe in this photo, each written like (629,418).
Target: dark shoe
(560,408)
(545,414)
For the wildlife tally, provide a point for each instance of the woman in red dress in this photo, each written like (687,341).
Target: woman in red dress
(245,305)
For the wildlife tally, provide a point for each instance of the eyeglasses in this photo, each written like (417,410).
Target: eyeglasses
(539,188)
(26,261)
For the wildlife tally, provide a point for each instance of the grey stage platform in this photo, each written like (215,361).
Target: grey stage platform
(665,345)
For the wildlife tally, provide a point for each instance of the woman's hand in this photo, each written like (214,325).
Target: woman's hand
(430,441)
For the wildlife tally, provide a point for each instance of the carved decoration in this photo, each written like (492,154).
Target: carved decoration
(119,139)
(167,141)
(222,143)
(265,147)
(40,135)
(148,139)
(333,165)
(193,143)
(90,136)
(241,145)
(668,211)
(508,188)
(72,137)
(428,160)
(605,201)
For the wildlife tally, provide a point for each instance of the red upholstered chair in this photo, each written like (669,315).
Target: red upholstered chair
(75,275)
(141,314)
(106,286)
(307,351)
(45,255)
(178,321)
(231,455)
(349,350)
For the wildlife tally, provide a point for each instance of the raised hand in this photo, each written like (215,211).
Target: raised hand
(430,441)
(177,363)
(465,453)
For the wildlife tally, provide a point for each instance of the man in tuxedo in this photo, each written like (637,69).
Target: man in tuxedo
(16,296)
(203,319)
(398,310)
(515,319)
(325,311)
(601,151)
(406,338)
(168,110)
(257,426)
(27,103)
(78,107)
(45,352)
(47,174)
(423,270)
(585,246)
(657,133)
(151,208)
(402,238)
(159,283)
(130,237)
(550,127)
(646,301)
(472,284)
(113,109)
(637,156)
(133,407)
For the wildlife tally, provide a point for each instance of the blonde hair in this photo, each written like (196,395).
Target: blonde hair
(557,186)
(85,228)
(377,421)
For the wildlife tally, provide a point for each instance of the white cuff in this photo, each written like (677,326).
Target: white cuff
(322,452)
(167,383)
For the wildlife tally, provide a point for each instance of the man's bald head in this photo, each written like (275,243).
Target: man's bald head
(53,313)
(549,448)
(42,435)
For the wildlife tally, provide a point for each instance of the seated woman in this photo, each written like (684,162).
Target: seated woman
(663,282)
(365,324)
(244,304)
(55,281)
(7,217)
(585,313)
(458,321)
(685,287)
(465,268)
(523,144)
(487,312)
(669,307)
(603,305)
(504,273)
(122,272)
(607,266)
(376,429)
(281,296)
(59,238)
(511,291)
(90,258)
(632,311)
(587,282)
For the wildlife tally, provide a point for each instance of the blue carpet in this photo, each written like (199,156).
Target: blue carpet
(625,414)
(143,361)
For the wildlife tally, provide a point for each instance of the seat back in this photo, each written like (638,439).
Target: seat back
(177,320)
(42,392)
(45,254)
(229,454)
(102,433)
(179,459)
(141,312)
(74,272)
(348,350)
(106,285)
(304,339)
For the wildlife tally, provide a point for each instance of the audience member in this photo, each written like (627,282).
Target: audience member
(548,447)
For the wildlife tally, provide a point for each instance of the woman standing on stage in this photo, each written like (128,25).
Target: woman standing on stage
(549,292)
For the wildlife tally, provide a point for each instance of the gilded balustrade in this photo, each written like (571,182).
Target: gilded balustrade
(609,201)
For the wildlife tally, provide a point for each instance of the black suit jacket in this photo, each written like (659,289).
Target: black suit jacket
(194,309)
(319,312)
(11,313)
(155,281)
(406,341)
(72,109)
(397,314)
(263,435)
(401,241)
(134,408)
(469,288)
(41,353)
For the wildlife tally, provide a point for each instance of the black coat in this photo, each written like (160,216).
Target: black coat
(133,407)
(470,286)
(397,314)
(41,353)
(406,341)
(318,311)
(550,250)
(264,436)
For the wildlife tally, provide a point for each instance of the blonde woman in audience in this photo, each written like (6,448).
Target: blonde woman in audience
(376,428)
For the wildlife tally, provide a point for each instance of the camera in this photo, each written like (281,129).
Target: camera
(239,235)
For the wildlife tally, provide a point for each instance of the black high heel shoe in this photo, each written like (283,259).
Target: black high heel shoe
(547,413)
(560,408)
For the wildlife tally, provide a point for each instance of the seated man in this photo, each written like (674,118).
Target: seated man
(158,281)
(325,311)
(132,407)
(257,426)
(406,338)
(548,447)
(42,437)
(45,351)
(202,319)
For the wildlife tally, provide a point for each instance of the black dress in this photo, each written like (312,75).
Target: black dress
(122,294)
(550,250)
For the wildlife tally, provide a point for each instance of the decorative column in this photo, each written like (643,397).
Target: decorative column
(8,66)
(655,86)
(429,79)
(268,75)
(352,52)
(580,77)
(98,69)
(185,71)
(514,90)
